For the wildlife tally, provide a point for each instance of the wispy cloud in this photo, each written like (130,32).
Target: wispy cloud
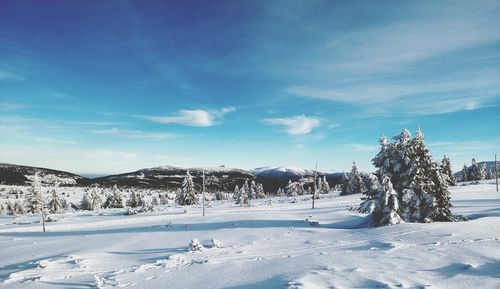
(296,125)
(10,106)
(7,75)
(134,133)
(196,117)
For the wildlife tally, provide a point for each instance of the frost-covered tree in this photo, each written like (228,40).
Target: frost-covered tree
(483,172)
(187,194)
(474,171)
(95,200)
(345,185)
(294,189)
(163,199)
(386,208)
(356,183)
(154,201)
(55,204)
(421,188)
(243,196)
(490,175)
(135,200)
(323,186)
(370,194)
(280,192)
(34,199)
(252,194)
(86,203)
(259,190)
(465,173)
(236,193)
(114,199)
(447,172)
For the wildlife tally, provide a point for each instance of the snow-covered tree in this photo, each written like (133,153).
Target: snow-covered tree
(370,194)
(236,193)
(483,172)
(86,203)
(421,189)
(95,200)
(356,183)
(259,190)
(34,199)
(163,199)
(114,199)
(447,172)
(386,209)
(154,201)
(252,194)
(55,204)
(474,171)
(323,186)
(294,189)
(187,194)
(345,185)
(280,192)
(243,195)
(465,173)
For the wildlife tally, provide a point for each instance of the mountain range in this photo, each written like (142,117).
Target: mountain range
(170,177)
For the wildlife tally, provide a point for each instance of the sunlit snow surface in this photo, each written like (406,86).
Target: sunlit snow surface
(262,246)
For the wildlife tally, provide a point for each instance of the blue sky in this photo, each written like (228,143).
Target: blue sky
(98,87)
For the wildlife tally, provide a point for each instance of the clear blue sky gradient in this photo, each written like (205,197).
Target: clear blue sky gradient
(98,87)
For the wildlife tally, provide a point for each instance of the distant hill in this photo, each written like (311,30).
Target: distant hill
(489,164)
(22,175)
(170,177)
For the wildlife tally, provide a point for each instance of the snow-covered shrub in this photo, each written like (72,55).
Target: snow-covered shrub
(214,244)
(114,200)
(195,245)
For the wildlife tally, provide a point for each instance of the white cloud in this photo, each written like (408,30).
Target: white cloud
(297,125)
(134,133)
(196,117)
(10,106)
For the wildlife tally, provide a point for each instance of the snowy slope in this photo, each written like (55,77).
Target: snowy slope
(267,245)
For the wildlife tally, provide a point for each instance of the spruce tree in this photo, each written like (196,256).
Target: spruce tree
(370,194)
(187,195)
(447,172)
(465,173)
(95,200)
(114,199)
(345,184)
(474,171)
(34,199)
(55,204)
(483,172)
(86,203)
(356,183)
(386,209)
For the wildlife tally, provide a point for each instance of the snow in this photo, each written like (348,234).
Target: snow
(270,171)
(267,245)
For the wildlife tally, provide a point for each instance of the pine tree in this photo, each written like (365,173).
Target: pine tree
(163,199)
(474,171)
(356,183)
(55,204)
(386,209)
(236,194)
(243,195)
(252,194)
(280,192)
(421,189)
(323,186)
(34,199)
(465,173)
(187,195)
(294,189)
(345,184)
(370,194)
(95,200)
(483,172)
(154,201)
(86,203)
(260,191)
(447,172)
(114,200)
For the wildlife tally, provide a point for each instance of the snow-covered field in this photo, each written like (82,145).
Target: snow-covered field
(272,244)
